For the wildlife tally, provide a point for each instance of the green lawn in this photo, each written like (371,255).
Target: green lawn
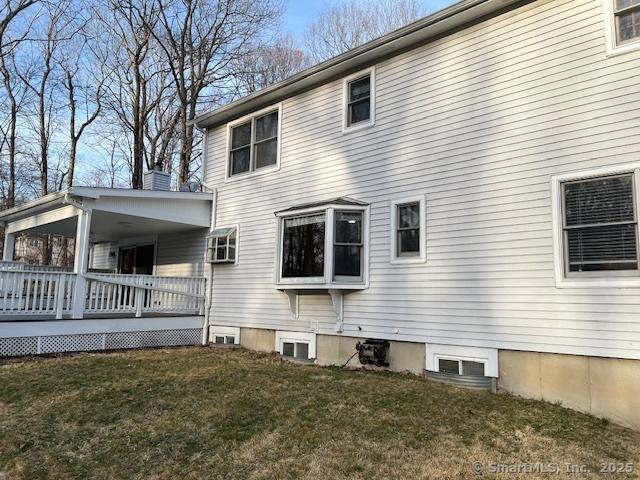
(200,413)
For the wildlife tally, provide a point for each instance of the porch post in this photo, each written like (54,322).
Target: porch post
(80,263)
(9,246)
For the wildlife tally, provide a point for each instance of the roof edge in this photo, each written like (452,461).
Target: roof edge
(367,54)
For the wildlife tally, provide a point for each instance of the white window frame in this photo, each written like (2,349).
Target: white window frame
(613,47)
(346,128)
(487,356)
(422,255)
(236,260)
(223,331)
(253,172)
(327,281)
(602,279)
(296,337)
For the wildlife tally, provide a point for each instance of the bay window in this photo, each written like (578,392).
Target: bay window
(323,245)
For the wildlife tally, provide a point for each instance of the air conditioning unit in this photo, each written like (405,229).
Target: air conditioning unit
(373,352)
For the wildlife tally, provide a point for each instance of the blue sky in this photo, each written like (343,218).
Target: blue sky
(300,12)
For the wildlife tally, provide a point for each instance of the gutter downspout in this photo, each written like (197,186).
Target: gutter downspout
(209,271)
(208,266)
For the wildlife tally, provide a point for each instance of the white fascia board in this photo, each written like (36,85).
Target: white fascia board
(39,219)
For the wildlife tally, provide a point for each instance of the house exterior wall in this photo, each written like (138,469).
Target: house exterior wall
(179,254)
(479,122)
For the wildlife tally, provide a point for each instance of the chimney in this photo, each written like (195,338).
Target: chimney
(156,179)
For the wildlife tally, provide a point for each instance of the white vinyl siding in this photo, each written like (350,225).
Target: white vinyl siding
(181,254)
(480,121)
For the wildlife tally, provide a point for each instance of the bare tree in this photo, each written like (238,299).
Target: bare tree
(13,94)
(269,64)
(58,29)
(200,40)
(83,80)
(9,11)
(134,66)
(348,23)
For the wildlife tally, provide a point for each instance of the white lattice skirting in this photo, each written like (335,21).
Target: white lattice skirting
(60,337)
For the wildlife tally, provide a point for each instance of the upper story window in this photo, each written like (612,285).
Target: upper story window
(597,226)
(359,100)
(408,232)
(323,245)
(627,20)
(622,25)
(254,143)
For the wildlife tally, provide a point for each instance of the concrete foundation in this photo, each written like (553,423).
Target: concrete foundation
(336,349)
(605,387)
(407,357)
(258,339)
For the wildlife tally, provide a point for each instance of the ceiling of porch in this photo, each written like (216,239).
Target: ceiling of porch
(109,226)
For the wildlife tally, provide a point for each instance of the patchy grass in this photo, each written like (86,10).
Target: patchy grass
(199,413)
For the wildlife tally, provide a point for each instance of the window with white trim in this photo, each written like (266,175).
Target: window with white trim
(223,335)
(253,143)
(222,245)
(296,345)
(599,225)
(323,245)
(408,232)
(359,100)
(626,18)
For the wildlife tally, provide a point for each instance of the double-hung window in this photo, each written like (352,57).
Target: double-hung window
(622,25)
(408,233)
(626,15)
(359,100)
(600,225)
(596,218)
(253,143)
(323,246)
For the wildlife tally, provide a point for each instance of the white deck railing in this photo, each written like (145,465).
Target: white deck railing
(27,267)
(52,293)
(36,293)
(144,294)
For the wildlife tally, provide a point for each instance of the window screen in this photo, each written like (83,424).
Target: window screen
(359,101)
(303,246)
(472,368)
(627,20)
(266,144)
(302,351)
(348,244)
(600,225)
(254,144)
(408,229)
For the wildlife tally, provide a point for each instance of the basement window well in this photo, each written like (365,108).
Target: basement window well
(299,346)
(471,367)
(220,335)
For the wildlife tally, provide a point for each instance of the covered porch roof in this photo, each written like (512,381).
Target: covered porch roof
(115,213)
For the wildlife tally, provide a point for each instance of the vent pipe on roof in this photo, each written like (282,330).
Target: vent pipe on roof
(156,179)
